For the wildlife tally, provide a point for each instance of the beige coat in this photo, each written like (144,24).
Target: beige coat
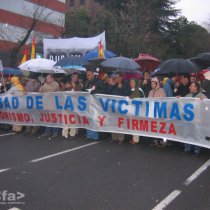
(158,92)
(52,87)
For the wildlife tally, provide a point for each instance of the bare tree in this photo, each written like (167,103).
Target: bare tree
(39,14)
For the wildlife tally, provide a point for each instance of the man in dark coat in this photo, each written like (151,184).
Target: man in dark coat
(93,86)
(145,84)
(183,88)
(120,89)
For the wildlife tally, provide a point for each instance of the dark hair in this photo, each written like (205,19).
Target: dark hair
(33,76)
(185,75)
(146,72)
(197,85)
(51,75)
(171,75)
(91,70)
(119,74)
(75,73)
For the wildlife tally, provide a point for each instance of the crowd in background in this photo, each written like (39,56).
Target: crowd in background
(173,85)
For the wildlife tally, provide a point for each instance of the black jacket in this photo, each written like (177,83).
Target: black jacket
(123,91)
(206,86)
(97,85)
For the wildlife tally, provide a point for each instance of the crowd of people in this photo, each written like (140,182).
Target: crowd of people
(173,85)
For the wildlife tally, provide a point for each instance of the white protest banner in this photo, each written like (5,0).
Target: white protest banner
(1,66)
(56,49)
(183,120)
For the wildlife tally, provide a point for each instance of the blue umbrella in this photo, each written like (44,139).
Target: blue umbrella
(11,71)
(122,63)
(71,62)
(94,55)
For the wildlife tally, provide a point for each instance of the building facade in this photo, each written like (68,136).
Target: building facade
(46,19)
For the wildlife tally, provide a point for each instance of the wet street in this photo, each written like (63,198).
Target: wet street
(79,174)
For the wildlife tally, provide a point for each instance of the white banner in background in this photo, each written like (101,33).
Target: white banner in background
(56,49)
(182,120)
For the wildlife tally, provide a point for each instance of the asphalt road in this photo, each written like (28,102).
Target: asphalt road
(79,174)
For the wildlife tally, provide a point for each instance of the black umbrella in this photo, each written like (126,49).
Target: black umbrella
(177,66)
(121,63)
(94,63)
(203,60)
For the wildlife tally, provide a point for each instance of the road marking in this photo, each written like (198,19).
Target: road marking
(164,203)
(3,170)
(63,152)
(7,134)
(197,173)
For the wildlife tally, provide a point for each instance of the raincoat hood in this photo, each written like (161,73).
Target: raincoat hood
(155,79)
(16,82)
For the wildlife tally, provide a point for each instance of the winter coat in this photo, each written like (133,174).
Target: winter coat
(16,88)
(197,95)
(158,92)
(52,87)
(123,91)
(169,88)
(96,85)
(32,86)
(206,86)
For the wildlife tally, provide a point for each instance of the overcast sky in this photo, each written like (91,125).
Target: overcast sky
(195,10)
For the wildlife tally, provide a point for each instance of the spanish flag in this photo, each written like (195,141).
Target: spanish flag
(33,48)
(25,57)
(101,51)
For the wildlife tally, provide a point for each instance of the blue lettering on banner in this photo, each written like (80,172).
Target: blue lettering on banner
(137,106)
(82,105)
(1,103)
(189,114)
(147,108)
(69,104)
(175,112)
(160,110)
(6,103)
(113,105)
(120,106)
(15,102)
(58,106)
(39,102)
(29,102)
(105,104)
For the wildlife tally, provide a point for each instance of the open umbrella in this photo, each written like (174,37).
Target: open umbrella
(121,63)
(94,55)
(203,60)
(147,62)
(11,71)
(72,62)
(178,66)
(40,65)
